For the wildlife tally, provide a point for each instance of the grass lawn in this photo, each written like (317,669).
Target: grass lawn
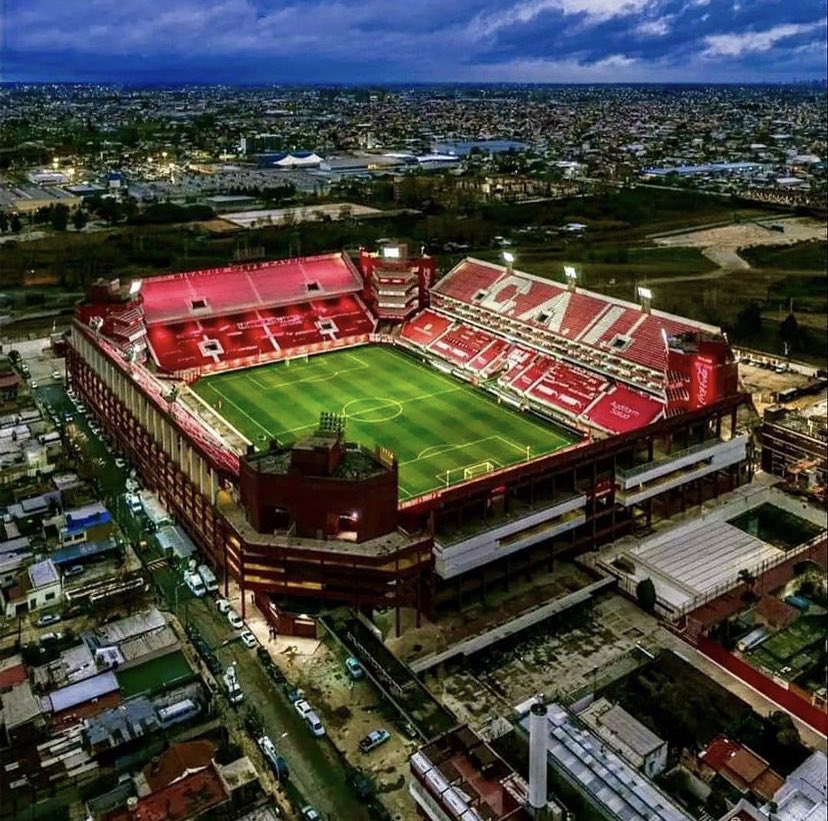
(442,430)
(801,256)
(792,647)
(156,674)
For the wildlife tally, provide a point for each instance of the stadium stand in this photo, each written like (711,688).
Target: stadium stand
(424,328)
(622,410)
(212,318)
(461,344)
(237,288)
(595,329)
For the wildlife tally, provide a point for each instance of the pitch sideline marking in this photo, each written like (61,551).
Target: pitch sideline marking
(223,397)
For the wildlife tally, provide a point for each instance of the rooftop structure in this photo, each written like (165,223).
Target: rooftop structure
(741,767)
(804,795)
(467,780)
(627,736)
(614,787)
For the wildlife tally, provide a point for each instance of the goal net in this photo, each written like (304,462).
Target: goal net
(478,470)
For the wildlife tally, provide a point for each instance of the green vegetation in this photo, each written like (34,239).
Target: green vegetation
(801,256)
(688,709)
(776,526)
(796,649)
(440,429)
(156,675)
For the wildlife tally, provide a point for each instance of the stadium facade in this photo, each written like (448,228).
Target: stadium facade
(649,401)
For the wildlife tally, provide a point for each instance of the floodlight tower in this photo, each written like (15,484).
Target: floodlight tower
(509,259)
(646,297)
(571,277)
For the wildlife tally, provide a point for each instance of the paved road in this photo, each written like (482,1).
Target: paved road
(314,766)
(315,769)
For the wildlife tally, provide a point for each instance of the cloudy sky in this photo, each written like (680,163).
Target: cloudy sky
(253,41)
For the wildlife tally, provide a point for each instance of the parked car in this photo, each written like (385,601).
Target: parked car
(373,740)
(235,619)
(315,724)
(48,618)
(277,763)
(50,638)
(249,640)
(120,463)
(222,605)
(308,813)
(354,668)
(302,707)
(74,570)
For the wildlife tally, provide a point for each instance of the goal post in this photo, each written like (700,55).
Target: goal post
(478,470)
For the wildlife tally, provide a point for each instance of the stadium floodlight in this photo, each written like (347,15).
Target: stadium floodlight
(644,293)
(391,252)
(135,286)
(570,272)
(508,257)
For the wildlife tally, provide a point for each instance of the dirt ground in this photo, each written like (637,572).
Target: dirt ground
(720,244)
(557,659)
(350,710)
(762,384)
(500,606)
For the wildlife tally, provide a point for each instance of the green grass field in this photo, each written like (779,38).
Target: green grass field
(442,430)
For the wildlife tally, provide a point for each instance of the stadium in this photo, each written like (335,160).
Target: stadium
(365,433)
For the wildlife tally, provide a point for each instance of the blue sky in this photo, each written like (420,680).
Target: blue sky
(263,41)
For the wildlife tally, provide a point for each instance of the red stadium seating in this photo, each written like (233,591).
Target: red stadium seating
(567,389)
(623,409)
(267,331)
(424,328)
(614,330)
(461,344)
(238,288)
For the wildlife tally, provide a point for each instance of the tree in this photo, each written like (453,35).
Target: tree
(59,217)
(79,219)
(748,321)
(645,592)
(15,225)
(789,332)
(4,222)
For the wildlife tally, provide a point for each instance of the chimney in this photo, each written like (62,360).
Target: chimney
(537,758)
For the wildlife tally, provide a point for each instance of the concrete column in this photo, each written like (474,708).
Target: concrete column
(537,758)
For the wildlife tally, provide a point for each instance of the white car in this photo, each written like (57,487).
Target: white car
(249,640)
(33,384)
(303,708)
(120,463)
(223,606)
(235,619)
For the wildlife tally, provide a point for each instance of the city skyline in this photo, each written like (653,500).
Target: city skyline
(535,41)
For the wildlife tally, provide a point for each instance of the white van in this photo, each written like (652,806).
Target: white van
(194,582)
(209,578)
(315,724)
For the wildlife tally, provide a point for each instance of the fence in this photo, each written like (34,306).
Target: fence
(785,697)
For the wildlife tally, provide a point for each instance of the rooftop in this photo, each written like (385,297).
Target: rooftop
(620,728)
(609,781)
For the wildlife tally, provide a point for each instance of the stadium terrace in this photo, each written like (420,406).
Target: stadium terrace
(332,431)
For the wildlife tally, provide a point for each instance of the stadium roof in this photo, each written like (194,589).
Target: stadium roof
(238,288)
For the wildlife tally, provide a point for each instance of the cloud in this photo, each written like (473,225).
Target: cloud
(654,28)
(358,40)
(736,44)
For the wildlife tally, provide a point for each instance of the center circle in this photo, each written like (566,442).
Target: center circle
(372,409)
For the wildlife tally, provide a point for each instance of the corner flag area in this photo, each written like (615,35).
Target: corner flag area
(441,430)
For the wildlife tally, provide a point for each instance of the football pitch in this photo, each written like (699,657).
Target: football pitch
(441,430)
